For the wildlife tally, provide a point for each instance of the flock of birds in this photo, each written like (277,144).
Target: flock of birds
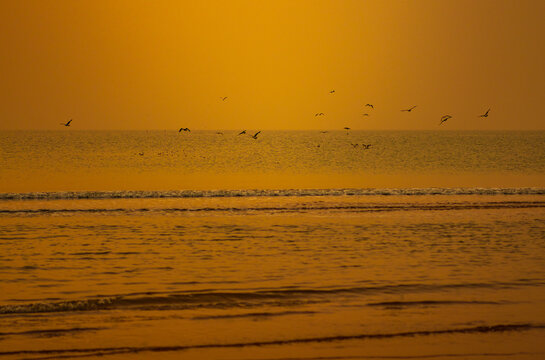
(443,119)
(224,98)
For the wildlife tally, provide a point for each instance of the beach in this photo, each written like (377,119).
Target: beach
(275,277)
(95,267)
(272,180)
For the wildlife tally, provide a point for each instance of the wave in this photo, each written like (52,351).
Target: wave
(72,195)
(253,315)
(499,328)
(402,304)
(291,208)
(249,298)
(51,332)
(409,357)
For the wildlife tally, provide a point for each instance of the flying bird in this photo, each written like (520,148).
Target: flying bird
(485,114)
(370,105)
(366,114)
(68,123)
(332,91)
(255,135)
(184,129)
(410,109)
(223,98)
(354,145)
(444,118)
(365,147)
(219,133)
(346,128)
(242,132)
(319,114)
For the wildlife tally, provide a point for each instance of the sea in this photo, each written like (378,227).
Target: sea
(290,245)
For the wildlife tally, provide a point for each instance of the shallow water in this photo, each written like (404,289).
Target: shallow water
(109,269)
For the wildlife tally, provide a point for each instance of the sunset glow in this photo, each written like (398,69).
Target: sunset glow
(161,64)
(272,179)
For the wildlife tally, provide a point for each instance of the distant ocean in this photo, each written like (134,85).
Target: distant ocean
(75,160)
(294,245)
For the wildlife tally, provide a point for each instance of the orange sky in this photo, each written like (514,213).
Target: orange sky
(165,64)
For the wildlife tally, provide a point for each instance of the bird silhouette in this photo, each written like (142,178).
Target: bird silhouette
(255,135)
(410,109)
(444,118)
(332,91)
(223,98)
(184,129)
(242,132)
(485,114)
(370,105)
(319,114)
(68,123)
(366,114)
(365,147)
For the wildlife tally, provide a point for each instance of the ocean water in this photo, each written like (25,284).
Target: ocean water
(204,160)
(295,245)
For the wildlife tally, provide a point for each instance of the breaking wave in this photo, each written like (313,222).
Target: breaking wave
(98,351)
(253,298)
(348,207)
(71,195)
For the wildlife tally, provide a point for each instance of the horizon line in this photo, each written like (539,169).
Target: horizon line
(264,129)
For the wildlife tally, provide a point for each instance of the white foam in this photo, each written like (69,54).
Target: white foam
(72,195)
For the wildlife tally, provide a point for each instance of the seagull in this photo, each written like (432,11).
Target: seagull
(323,132)
(365,147)
(255,135)
(68,123)
(319,114)
(409,110)
(223,98)
(444,118)
(485,114)
(346,128)
(365,114)
(219,133)
(184,129)
(354,145)
(242,132)
(332,91)
(370,105)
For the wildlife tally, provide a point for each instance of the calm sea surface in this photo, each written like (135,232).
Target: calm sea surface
(294,245)
(168,160)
